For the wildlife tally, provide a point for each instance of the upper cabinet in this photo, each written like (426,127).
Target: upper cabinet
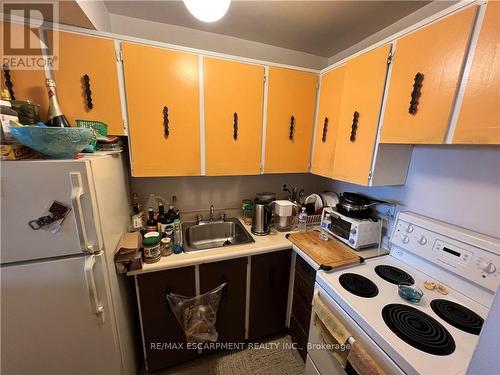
(26,84)
(163,106)
(364,81)
(425,74)
(92,59)
(290,117)
(479,117)
(234,94)
(327,122)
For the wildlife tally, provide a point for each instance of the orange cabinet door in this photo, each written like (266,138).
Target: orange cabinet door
(233,117)
(436,52)
(27,84)
(81,55)
(327,123)
(162,97)
(479,118)
(360,110)
(290,116)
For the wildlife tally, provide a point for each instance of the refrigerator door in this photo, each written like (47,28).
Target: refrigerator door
(56,318)
(28,188)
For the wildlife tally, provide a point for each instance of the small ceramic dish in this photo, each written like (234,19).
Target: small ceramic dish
(410,292)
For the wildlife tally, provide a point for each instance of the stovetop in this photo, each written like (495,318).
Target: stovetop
(414,335)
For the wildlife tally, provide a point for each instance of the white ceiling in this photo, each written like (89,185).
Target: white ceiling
(322,28)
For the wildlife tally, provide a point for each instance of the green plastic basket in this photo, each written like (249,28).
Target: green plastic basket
(100,128)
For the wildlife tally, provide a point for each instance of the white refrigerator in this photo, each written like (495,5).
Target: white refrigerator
(64,310)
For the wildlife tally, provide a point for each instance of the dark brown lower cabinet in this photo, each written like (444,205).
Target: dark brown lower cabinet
(164,338)
(303,290)
(230,322)
(269,293)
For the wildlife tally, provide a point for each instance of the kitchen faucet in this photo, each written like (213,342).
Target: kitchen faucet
(211,214)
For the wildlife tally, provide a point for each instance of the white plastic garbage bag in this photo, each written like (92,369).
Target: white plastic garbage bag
(197,315)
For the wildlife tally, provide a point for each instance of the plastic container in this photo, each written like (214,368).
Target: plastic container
(410,292)
(325,225)
(151,247)
(302,225)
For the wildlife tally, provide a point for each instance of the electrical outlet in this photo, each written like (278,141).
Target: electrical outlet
(284,187)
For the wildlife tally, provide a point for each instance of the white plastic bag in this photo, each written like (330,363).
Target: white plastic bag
(197,315)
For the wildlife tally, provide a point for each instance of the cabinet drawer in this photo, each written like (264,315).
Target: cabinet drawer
(299,337)
(305,270)
(301,305)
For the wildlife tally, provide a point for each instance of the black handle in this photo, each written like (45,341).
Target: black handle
(166,121)
(325,130)
(235,126)
(415,94)
(88,93)
(292,127)
(354,127)
(8,81)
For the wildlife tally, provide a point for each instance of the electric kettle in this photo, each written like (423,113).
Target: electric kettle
(261,222)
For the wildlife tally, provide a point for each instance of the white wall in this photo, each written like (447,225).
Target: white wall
(192,38)
(456,184)
(398,26)
(198,193)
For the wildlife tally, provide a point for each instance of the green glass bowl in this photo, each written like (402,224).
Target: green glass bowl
(60,143)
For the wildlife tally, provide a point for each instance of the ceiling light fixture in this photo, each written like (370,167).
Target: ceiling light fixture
(207,10)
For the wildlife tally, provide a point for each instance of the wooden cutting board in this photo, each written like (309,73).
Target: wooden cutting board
(328,254)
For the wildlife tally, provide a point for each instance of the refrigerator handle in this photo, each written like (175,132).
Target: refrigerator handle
(97,307)
(76,202)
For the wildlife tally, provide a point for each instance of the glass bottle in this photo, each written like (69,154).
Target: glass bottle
(151,224)
(56,118)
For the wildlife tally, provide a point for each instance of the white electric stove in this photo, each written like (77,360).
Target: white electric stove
(438,335)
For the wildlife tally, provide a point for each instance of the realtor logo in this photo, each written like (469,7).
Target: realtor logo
(25,45)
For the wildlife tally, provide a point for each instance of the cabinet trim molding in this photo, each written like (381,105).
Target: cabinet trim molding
(465,73)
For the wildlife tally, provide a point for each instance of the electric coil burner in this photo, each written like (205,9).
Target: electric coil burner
(393,275)
(358,285)
(458,316)
(418,329)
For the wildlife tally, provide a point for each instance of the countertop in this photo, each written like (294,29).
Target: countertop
(275,241)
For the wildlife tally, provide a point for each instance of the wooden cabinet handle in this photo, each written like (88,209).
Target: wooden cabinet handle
(235,126)
(415,94)
(166,121)
(292,128)
(88,93)
(8,81)
(354,126)
(325,130)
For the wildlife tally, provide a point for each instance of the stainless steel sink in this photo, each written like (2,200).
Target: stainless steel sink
(214,234)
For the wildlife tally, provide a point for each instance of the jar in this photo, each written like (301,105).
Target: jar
(247,207)
(151,247)
(166,246)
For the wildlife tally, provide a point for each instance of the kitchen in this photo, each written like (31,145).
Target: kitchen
(248,104)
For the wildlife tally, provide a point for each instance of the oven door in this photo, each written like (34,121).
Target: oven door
(323,360)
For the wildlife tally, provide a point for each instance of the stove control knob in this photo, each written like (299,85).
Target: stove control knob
(488,267)
(351,241)
(409,228)
(422,240)
(406,239)
(353,231)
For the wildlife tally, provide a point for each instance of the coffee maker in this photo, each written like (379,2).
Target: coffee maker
(286,214)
